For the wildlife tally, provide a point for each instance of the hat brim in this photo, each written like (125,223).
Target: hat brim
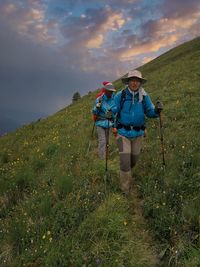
(109,88)
(113,90)
(126,79)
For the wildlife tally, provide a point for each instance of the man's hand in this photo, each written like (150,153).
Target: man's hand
(115,132)
(158,107)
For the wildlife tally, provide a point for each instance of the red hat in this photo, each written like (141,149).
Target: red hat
(104,83)
(109,87)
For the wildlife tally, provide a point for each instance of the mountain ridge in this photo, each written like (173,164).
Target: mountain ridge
(11,119)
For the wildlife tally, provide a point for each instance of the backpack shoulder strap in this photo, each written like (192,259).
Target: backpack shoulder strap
(143,104)
(122,100)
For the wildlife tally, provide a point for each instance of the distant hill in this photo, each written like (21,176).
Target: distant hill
(58,206)
(11,119)
(8,125)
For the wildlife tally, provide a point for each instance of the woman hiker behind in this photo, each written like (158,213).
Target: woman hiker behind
(104,118)
(132,104)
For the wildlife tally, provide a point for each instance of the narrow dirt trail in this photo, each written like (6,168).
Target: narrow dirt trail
(138,226)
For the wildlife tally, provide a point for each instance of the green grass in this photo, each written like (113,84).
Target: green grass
(60,208)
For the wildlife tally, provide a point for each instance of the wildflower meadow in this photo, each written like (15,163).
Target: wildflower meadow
(59,207)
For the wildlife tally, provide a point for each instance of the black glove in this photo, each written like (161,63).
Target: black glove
(158,107)
(108,115)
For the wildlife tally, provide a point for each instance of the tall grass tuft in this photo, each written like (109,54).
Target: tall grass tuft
(64,185)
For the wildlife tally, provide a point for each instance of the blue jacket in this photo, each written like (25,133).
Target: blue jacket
(132,111)
(106,105)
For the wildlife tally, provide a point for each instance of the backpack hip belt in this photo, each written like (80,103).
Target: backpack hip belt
(131,127)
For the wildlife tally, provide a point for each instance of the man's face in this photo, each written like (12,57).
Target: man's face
(108,93)
(134,84)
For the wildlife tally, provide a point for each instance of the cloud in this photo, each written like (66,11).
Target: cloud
(50,49)
(158,35)
(92,28)
(181,18)
(35,77)
(127,54)
(28,20)
(177,8)
(95,42)
(115,4)
(87,38)
(170,25)
(113,22)
(147,59)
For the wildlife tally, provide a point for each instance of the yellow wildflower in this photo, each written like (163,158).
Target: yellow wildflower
(125,222)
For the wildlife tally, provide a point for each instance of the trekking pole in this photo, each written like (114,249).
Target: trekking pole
(93,129)
(162,138)
(106,167)
(89,143)
(107,146)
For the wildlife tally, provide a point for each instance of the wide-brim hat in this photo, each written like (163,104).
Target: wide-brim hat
(109,87)
(132,74)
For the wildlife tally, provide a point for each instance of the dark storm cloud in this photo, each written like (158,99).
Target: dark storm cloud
(34,77)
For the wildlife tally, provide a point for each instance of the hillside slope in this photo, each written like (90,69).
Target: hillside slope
(60,208)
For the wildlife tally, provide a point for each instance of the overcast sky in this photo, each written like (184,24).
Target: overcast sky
(50,49)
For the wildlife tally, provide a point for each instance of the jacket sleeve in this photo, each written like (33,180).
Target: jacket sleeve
(102,110)
(149,108)
(96,110)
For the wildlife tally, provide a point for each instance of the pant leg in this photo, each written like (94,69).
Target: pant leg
(124,146)
(102,142)
(136,145)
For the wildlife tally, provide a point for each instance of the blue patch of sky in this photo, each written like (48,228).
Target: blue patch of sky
(61,9)
(58,10)
(66,11)
(151,8)
(141,13)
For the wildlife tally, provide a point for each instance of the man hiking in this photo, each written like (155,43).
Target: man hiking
(102,111)
(132,104)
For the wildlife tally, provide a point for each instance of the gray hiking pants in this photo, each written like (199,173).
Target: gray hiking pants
(102,137)
(129,150)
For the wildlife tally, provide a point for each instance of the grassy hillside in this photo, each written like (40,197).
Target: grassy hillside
(60,208)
